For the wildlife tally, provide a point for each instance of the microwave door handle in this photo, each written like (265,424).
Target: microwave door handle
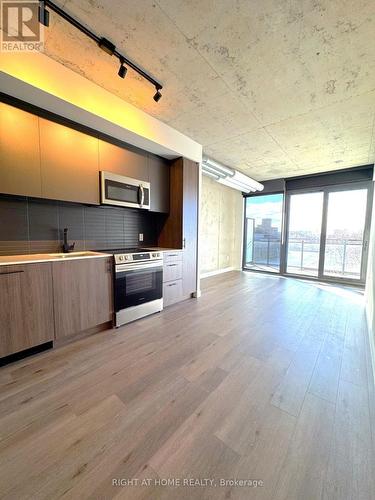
(142,195)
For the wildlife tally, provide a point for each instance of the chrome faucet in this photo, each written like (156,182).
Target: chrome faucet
(66,247)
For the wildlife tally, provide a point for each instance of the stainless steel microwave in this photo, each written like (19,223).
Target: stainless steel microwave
(124,191)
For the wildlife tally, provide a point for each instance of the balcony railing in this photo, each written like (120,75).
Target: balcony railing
(343,256)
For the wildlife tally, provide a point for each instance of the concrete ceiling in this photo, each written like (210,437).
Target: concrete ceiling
(275,88)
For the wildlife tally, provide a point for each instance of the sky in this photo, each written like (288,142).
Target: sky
(265,207)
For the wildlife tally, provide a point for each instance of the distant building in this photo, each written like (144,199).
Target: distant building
(265,231)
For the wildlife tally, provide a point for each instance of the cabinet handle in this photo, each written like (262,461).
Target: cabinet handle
(171,265)
(184,243)
(172,284)
(11,272)
(173,255)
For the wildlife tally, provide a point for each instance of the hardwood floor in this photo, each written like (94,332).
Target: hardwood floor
(262,378)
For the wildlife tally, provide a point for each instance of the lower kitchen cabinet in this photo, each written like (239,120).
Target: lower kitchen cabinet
(26,307)
(173,291)
(83,295)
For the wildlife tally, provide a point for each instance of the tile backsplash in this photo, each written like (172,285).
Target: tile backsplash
(29,225)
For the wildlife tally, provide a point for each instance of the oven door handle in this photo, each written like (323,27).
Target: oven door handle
(120,268)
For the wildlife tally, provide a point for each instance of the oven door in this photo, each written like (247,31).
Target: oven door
(124,191)
(136,284)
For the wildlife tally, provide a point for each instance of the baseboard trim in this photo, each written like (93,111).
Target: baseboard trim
(217,271)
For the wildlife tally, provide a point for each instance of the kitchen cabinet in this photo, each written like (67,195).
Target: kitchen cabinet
(122,161)
(173,271)
(180,229)
(26,307)
(159,184)
(83,296)
(69,164)
(44,159)
(172,292)
(19,152)
(190,226)
(172,277)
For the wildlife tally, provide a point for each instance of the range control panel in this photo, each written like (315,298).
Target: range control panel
(127,258)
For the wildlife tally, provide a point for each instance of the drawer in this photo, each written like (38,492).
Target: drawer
(173,256)
(172,292)
(172,271)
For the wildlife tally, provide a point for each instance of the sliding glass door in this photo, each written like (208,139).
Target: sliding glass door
(304,233)
(263,228)
(327,233)
(344,242)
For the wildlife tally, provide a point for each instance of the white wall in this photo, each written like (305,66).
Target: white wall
(221,229)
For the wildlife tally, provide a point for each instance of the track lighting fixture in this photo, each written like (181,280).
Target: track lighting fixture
(102,42)
(122,70)
(43,15)
(107,46)
(158,95)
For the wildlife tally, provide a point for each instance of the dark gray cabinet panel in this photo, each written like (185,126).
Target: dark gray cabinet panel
(123,161)
(159,180)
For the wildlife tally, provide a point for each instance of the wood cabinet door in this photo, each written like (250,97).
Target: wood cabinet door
(123,161)
(26,307)
(159,184)
(190,225)
(19,152)
(171,234)
(82,293)
(69,164)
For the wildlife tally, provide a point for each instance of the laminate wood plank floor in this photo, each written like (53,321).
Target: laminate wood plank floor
(262,379)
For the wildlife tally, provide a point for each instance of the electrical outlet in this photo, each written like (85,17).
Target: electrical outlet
(140,236)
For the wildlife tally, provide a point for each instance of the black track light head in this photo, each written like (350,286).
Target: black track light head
(122,70)
(157,96)
(43,15)
(107,46)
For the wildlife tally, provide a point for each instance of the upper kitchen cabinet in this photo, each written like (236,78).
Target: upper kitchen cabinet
(181,227)
(123,161)
(69,164)
(19,152)
(159,184)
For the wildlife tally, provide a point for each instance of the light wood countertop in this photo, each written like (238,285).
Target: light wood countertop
(8,260)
